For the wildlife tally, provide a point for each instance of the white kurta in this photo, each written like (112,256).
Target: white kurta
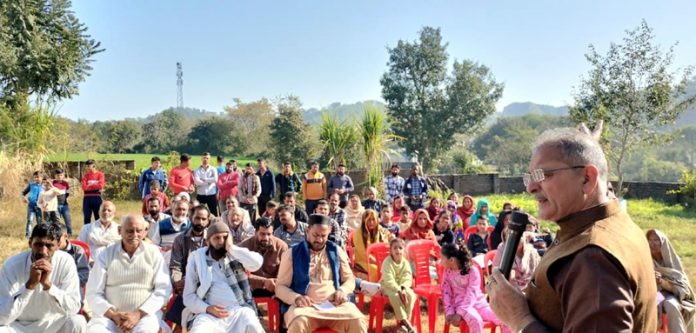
(38,310)
(98,237)
(96,286)
(241,319)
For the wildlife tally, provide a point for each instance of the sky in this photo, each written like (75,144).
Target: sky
(336,51)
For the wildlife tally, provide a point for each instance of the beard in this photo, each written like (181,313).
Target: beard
(178,219)
(153,212)
(318,246)
(198,228)
(394,173)
(218,253)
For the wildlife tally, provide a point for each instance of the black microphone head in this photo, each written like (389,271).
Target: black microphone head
(518,221)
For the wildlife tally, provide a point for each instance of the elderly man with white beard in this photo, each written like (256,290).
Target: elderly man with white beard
(102,232)
(128,284)
(165,232)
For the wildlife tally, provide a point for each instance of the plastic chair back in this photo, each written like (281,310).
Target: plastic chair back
(350,249)
(84,246)
(419,252)
(378,251)
(488,261)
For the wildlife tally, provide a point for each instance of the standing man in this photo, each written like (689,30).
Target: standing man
(128,284)
(288,181)
(92,185)
(302,284)
(181,177)
(393,184)
(63,186)
(191,240)
(39,288)
(217,293)
(268,186)
(598,275)
(227,184)
(153,174)
(341,184)
(263,281)
(313,187)
(205,178)
(250,191)
(415,189)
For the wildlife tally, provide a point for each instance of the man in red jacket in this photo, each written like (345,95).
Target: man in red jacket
(92,185)
(227,185)
(181,177)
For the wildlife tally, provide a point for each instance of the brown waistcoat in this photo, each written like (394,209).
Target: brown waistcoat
(608,227)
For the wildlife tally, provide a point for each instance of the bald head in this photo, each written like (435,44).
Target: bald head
(107,211)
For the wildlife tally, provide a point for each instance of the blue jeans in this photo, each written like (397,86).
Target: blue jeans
(64,211)
(90,206)
(33,211)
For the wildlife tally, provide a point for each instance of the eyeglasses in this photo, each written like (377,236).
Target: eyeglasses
(538,175)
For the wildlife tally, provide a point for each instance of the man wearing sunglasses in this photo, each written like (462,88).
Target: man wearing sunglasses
(597,276)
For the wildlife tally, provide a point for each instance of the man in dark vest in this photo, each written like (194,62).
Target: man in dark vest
(314,280)
(598,275)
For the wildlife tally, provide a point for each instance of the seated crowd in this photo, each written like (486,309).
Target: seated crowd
(199,264)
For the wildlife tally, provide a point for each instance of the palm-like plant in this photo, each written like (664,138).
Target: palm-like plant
(337,138)
(376,138)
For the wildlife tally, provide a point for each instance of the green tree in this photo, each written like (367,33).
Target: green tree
(254,118)
(164,133)
(44,51)
(121,136)
(338,139)
(507,143)
(216,135)
(291,137)
(376,137)
(428,105)
(633,89)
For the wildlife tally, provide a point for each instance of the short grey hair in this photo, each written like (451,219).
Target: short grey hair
(134,218)
(574,148)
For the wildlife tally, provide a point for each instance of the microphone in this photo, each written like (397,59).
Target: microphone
(517,226)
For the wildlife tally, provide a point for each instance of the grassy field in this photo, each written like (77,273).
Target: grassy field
(142,161)
(678,224)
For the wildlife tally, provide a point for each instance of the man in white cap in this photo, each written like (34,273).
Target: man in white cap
(217,294)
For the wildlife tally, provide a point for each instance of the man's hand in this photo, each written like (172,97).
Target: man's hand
(166,248)
(228,243)
(45,267)
(269,285)
(191,188)
(34,277)
(338,297)
(217,311)
(303,301)
(453,319)
(508,302)
(114,316)
(402,296)
(129,320)
(658,278)
(179,287)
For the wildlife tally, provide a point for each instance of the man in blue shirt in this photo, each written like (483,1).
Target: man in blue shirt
(154,173)
(268,185)
(341,184)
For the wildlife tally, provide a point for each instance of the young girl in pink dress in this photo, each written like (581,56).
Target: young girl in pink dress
(461,291)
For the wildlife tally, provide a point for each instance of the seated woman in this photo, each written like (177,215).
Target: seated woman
(397,206)
(421,228)
(369,232)
(354,211)
(443,229)
(465,211)
(482,209)
(672,284)
(526,260)
(434,208)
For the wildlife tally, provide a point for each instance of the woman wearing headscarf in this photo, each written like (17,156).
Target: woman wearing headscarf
(497,234)
(434,208)
(369,232)
(467,209)
(421,227)
(354,211)
(673,284)
(483,208)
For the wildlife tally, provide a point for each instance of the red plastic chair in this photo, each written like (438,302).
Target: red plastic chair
(463,327)
(488,261)
(84,246)
(420,251)
(273,312)
(379,252)
(663,329)
(473,229)
(324,330)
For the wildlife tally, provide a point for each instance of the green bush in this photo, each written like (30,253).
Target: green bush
(688,190)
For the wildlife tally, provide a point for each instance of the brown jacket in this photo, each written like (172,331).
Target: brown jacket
(183,245)
(596,277)
(271,259)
